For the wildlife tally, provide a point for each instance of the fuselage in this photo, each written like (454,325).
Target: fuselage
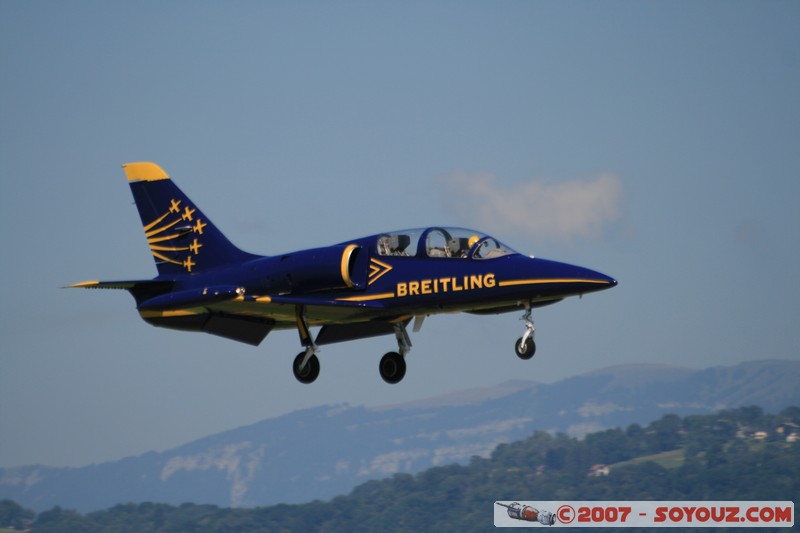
(371,282)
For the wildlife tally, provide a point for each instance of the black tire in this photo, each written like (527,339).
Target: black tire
(392,367)
(311,370)
(527,351)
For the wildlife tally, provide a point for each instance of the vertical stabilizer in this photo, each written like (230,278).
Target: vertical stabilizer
(181,238)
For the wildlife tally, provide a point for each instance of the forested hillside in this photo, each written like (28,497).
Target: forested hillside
(740,454)
(280,460)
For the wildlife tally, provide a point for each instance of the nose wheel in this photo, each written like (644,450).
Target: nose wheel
(525,347)
(392,367)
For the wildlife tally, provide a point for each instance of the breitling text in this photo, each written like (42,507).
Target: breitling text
(441,285)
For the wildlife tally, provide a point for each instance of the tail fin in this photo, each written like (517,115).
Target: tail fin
(182,239)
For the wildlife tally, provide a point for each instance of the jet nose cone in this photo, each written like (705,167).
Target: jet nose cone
(588,280)
(597,280)
(600,278)
(606,282)
(582,279)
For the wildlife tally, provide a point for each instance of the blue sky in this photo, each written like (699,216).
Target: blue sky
(656,142)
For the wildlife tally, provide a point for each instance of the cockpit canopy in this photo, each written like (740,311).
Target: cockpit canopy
(438,242)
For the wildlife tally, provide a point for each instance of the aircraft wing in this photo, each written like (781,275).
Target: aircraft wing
(222,310)
(340,319)
(316,310)
(316,302)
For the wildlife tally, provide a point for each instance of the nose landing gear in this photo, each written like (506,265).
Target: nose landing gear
(392,367)
(525,347)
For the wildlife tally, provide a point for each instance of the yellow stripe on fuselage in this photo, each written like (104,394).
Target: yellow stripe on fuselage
(507,283)
(513,282)
(381,296)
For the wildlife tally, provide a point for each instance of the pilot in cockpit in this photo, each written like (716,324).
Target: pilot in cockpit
(393,244)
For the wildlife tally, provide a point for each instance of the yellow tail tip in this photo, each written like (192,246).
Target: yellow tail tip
(144,171)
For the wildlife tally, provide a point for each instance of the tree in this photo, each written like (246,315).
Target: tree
(14,516)
(665,435)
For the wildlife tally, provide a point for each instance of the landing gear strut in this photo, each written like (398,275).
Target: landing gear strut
(393,365)
(525,347)
(306,364)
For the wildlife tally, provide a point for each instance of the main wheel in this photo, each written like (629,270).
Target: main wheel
(527,351)
(311,370)
(392,367)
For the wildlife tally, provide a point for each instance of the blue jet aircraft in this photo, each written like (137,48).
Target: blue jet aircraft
(353,290)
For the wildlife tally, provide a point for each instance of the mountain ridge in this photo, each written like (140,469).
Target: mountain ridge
(280,460)
(734,455)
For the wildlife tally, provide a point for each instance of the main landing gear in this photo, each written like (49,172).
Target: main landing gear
(306,365)
(392,366)
(525,347)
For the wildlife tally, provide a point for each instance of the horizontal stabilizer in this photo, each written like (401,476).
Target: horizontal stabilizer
(142,290)
(124,285)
